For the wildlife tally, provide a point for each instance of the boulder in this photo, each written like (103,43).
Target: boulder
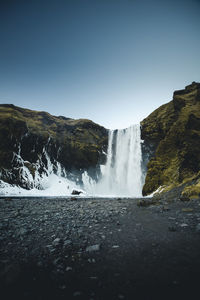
(75,192)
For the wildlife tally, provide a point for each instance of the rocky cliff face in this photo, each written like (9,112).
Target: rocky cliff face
(171,137)
(33,142)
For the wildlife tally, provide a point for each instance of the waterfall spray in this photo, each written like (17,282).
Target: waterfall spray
(122,174)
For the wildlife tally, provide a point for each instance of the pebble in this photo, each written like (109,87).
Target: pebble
(23,231)
(62,287)
(68,269)
(172,228)
(76,294)
(93,248)
(166,208)
(187,209)
(80,228)
(93,278)
(198,228)
(183,225)
(56,242)
(91,260)
(115,246)
(67,243)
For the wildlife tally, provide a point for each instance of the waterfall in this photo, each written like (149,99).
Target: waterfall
(122,174)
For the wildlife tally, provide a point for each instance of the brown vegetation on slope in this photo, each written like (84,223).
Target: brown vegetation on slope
(174,130)
(75,144)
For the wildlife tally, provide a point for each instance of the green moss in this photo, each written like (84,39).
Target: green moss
(192,191)
(174,130)
(80,141)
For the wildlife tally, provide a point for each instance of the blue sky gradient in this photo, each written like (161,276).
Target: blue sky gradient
(112,61)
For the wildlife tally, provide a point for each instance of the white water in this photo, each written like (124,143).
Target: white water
(52,181)
(120,176)
(52,186)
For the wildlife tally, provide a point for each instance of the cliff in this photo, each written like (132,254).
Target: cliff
(32,142)
(171,137)
(35,144)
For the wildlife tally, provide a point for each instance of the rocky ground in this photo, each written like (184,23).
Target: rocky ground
(76,248)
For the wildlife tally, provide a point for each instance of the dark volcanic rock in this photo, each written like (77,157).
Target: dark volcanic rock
(29,139)
(75,192)
(99,249)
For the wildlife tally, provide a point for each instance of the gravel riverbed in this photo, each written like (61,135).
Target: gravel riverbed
(97,248)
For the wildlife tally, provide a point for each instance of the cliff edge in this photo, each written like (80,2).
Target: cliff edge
(171,135)
(33,141)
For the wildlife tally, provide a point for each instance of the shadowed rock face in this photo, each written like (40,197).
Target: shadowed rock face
(172,133)
(27,137)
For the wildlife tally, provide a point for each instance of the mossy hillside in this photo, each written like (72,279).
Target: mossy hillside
(43,123)
(174,129)
(192,190)
(76,144)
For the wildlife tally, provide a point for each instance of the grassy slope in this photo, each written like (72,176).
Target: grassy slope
(175,128)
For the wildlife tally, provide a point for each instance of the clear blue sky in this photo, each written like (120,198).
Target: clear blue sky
(112,61)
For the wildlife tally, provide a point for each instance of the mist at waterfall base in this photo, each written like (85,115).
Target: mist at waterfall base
(120,176)
(122,173)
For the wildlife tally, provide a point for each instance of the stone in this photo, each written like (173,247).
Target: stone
(91,260)
(93,248)
(73,198)
(165,208)
(198,228)
(184,225)
(172,228)
(23,231)
(67,243)
(146,202)
(172,218)
(56,242)
(184,199)
(8,199)
(157,196)
(57,261)
(75,192)
(93,277)
(187,209)
(62,287)
(77,294)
